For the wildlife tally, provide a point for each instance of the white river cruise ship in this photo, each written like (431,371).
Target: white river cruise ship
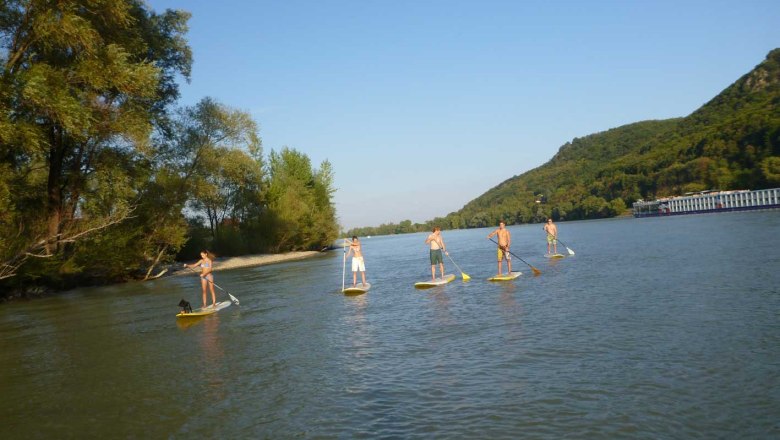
(710,201)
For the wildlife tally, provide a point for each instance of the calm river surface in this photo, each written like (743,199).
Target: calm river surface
(656,328)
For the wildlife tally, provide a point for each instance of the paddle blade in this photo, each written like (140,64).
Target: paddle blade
(465,276)
(234,299)
(536,271)
(571,252)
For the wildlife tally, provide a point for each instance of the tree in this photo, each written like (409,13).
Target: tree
(770,167)
(82,85)
(300,201)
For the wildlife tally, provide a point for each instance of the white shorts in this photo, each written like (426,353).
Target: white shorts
(358,264)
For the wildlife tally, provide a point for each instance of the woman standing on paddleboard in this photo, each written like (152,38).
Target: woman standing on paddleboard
(206,277)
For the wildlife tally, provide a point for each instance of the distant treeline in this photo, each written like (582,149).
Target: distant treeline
(731,142)
(405,227)
(104,178)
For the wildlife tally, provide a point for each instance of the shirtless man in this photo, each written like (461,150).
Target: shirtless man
(437,246)
(356,250)
(552,235)
(504,241)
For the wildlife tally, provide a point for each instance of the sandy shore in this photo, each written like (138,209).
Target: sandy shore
(261,259)
(257,260)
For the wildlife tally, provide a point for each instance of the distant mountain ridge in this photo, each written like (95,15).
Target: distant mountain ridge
(731,142)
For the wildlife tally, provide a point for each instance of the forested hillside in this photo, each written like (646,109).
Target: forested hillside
(103,177)
(731,142)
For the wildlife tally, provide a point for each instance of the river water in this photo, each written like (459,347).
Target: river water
(656,328)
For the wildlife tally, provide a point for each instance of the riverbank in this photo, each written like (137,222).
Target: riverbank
(176,269)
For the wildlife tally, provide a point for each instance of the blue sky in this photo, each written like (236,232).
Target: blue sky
(422,106)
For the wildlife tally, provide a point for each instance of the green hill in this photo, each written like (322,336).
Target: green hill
(731,142)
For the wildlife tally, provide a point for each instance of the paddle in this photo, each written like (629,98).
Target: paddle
(462,274)
(536,271)
(344,266)
(571,252)
(232,298)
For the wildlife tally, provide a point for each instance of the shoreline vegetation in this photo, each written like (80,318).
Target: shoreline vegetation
(106,177)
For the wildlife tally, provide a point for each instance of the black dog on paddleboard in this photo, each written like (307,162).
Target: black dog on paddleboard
(185,306)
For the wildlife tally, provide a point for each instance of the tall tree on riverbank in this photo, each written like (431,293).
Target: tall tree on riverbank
(300,201)
(224,164)
(82,85)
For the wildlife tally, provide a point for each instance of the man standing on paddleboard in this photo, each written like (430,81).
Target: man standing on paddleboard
(504,241)
(552,235)
(356,250)
(437,246)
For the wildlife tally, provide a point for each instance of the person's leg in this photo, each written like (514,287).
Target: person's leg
(203,288)
(441,269)
(354,278)
(213,294)
(363,275)
(433,272)
(509,265)
(555,245)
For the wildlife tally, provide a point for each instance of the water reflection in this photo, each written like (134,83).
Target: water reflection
(186,323)
(211,345)
(357,308)
(358,333)
(210,365)
(442,307)
(510,310)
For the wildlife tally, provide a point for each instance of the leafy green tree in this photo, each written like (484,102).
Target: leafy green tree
(300,201)
(82,85)
(770,167)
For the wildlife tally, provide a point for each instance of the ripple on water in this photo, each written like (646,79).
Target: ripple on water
(653,330)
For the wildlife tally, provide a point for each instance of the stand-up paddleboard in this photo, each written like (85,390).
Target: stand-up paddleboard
(554,255)
(359,289)
(508,277)
(439,282)
(203,311)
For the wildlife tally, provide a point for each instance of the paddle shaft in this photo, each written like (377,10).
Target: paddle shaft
(463,275)
(344,266)
(564,245)
(232,298)
(535,270)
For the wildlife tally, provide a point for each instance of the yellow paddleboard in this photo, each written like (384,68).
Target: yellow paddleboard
(554,255)
(439,282)
(359,289)
(508,277)
(203,311)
